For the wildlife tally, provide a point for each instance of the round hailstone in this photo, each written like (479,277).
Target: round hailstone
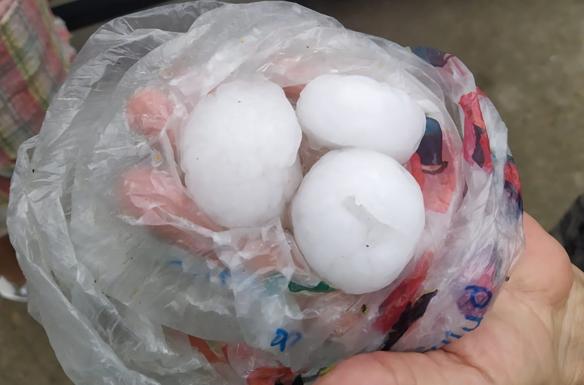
(239,153)
(357,218)
(338,111)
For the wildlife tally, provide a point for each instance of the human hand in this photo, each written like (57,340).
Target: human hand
(528,337)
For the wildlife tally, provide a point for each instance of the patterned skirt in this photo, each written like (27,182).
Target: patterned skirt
(34,58)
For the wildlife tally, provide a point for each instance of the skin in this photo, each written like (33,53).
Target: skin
(531,336)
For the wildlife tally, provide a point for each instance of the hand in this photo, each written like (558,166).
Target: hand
(528,337)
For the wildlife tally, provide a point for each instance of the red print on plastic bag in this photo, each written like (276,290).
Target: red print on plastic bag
(403,295)
(476,140)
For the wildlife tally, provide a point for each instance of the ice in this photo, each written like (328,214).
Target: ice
(357,217)
(337,111)
(239,152)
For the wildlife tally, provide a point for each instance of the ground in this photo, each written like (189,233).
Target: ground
(527,55)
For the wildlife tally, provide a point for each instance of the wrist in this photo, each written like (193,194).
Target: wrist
(570,341)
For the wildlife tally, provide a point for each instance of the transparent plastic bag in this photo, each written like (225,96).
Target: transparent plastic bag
(133,283)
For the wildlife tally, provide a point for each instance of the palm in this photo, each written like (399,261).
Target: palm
(514,345)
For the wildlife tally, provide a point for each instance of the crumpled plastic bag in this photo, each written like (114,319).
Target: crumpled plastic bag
(132,289)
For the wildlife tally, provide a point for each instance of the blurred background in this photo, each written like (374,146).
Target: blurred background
(528,56)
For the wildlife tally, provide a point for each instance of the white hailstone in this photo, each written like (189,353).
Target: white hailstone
(337,111)
(239,153)
(357,217)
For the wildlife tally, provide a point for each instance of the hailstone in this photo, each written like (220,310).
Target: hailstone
(337,111)
(357,217)
(239,153)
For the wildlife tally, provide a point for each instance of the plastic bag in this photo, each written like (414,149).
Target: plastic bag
(133,288)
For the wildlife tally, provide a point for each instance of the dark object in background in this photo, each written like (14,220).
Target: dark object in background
(570,232)
(81,13)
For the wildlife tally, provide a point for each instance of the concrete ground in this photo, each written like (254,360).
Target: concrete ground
(527,55)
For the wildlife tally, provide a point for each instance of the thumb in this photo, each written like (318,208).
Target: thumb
(390,368)
(380,368)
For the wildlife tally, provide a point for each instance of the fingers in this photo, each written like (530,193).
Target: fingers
(364,369)
(146,189)
(153,196)
(383,368)
(148,112)
(543,269)
(158,200)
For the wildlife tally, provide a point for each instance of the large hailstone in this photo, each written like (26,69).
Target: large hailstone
(337,111)
(357,217)
(239,153)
